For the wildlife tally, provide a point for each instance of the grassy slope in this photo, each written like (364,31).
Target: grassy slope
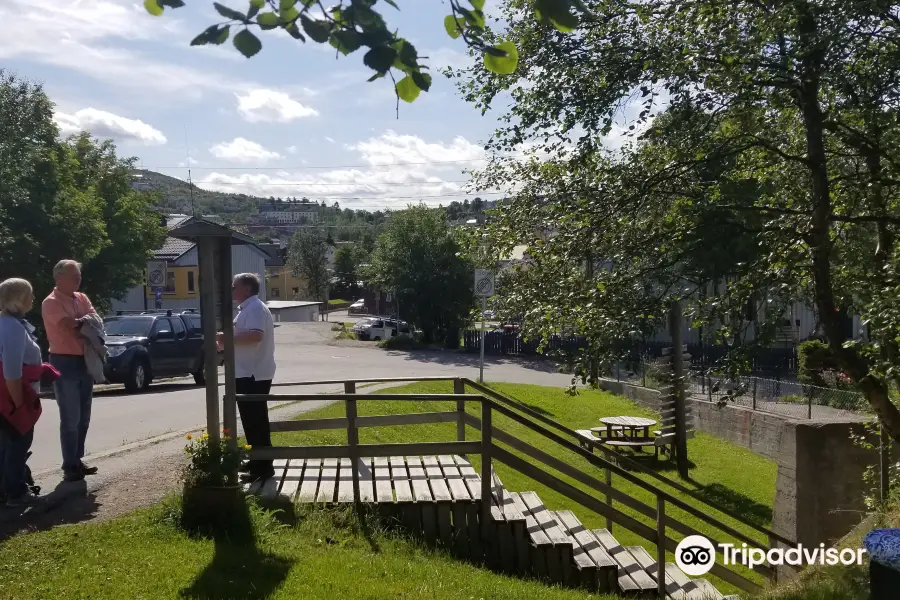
(723,472)
(144,556)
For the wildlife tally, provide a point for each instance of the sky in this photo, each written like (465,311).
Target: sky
(291,121)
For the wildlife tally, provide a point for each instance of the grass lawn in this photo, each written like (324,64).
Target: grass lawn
(338,301)
(722,472)
(145,556)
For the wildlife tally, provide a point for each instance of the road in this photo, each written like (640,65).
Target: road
(304,352)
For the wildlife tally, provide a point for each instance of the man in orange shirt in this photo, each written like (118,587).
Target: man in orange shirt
(63,310)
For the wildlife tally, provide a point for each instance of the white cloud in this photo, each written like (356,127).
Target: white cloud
(87,37)
(292,149)
(400,170)
(271,106)
(392,148)
(243,151)
(107,125)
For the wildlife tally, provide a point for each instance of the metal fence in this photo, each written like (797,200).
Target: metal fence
(779,396)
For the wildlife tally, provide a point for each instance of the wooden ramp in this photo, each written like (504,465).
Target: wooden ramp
(439,497)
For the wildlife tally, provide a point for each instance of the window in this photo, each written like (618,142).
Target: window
(276,293)
(196,323)
(191,288)
(161,327)
(295,292)
(178,327)
(170,283)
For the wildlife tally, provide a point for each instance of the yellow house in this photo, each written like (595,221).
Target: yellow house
(281,284)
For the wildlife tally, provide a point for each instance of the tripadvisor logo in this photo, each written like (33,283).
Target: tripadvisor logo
(696,555)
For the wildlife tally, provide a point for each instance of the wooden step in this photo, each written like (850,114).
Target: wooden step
(559,558)
(597,570)
(678,585)
(632,579)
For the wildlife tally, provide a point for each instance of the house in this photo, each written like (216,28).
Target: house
(182,283)
(281,283)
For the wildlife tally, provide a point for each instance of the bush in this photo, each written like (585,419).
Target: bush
(404,342)
(819,367)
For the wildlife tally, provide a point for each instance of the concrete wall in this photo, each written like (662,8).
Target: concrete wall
(639,395)
(819,495)
(756,431)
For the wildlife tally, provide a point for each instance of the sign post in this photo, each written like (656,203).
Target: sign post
(484,287)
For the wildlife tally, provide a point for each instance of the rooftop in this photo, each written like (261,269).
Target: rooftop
(278,304)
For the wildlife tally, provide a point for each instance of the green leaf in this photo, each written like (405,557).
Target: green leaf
(171,3)
(345,40)
(295,32)
(502,65)
(392,3)
(153,7)
(286,4)
(221,36)
(380,58)
(453,26)
(289,15)
(267,20)
(477,4)
(422,80)
(208,35)
(247,43)
(318,31)
(556,12)
(407,58)
(407,89)
(255,7)
(229,13)
(374,77)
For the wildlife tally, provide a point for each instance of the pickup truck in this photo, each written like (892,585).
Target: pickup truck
(152,345)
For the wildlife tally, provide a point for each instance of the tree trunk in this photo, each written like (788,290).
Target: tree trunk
(819,240)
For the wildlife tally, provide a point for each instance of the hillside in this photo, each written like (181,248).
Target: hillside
(177,194)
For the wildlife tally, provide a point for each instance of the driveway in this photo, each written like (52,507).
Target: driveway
(304,352)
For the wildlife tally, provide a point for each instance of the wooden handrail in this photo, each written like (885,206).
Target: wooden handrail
(490,402)
(621,458)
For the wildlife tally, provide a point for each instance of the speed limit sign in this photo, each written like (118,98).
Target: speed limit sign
(484,283)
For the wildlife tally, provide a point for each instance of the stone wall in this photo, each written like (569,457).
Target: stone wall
(639,395)
(757,431)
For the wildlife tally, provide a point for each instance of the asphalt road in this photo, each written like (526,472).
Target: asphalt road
(304,352)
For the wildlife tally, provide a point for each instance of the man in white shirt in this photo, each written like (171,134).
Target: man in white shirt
(254,366)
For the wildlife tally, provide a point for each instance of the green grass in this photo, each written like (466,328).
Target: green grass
(146,556)
(724,473)
(338,302)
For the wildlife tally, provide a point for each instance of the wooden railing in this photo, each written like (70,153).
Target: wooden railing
(492,402)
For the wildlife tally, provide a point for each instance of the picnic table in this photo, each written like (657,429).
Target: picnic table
(626,425)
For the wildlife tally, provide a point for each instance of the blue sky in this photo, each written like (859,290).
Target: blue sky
(291,121)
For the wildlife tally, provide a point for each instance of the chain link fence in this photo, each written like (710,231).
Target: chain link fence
(784,397)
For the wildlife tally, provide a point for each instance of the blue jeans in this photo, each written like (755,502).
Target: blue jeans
(13,453)
(74,391)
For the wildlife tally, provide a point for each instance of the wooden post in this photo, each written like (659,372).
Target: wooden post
(661,546)
(885,464)
(229,408)
(486,470)
(681,457)
(353,440)
(609,502)
(459,387)
(206,256)
(755,381)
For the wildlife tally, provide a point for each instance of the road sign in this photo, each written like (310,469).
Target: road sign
(156,273)
(484,283)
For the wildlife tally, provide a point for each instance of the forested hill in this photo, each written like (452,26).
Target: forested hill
(176,196)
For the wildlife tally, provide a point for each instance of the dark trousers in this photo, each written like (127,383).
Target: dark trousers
(255,418)
(74,394)
(13,454)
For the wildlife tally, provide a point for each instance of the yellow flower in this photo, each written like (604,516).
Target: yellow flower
(248,447)
(204,436)
(188,436)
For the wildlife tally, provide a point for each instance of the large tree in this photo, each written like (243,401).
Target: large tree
(801,100)
(67,198)
(419,258)
(308,258)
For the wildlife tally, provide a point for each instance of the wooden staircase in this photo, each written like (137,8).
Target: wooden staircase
(436,498)
(556,546)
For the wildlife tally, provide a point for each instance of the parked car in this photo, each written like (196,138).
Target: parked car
(154,344)
(358,308)
(379,328)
